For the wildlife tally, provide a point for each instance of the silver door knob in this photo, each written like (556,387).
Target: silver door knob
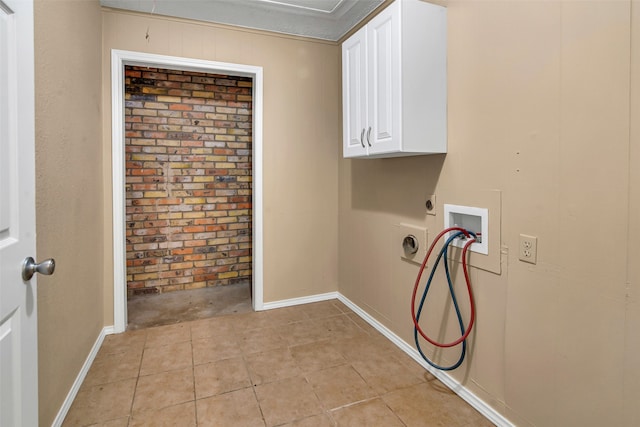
(29,268)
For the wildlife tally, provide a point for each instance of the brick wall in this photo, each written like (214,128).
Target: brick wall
(188,179)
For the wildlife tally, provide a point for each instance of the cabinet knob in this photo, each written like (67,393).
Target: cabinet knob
(368,135)
(362,137)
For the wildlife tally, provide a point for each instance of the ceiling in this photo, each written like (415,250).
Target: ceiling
(320,19)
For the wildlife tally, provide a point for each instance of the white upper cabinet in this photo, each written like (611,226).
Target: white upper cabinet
(394,83)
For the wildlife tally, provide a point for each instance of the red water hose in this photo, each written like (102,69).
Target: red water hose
(467,280)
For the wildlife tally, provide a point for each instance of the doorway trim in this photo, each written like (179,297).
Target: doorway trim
(120,58)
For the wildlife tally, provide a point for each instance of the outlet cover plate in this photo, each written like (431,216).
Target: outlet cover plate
(528,249)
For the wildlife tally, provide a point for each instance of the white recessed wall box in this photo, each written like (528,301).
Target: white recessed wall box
(472,219)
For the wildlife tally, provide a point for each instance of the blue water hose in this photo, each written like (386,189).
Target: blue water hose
(443,253)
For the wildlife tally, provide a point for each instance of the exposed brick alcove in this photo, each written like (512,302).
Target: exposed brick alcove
(188,179)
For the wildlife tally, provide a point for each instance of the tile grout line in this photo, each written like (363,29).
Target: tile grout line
(193,375)
(253,386)
(135,388)
(246,367)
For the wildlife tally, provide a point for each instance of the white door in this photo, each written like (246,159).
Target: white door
(18,323)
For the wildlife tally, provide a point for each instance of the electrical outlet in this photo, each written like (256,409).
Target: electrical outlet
(528,249)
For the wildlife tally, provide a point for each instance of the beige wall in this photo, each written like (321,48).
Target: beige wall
(631,361)
(539,113)
(69,210)
(301,127)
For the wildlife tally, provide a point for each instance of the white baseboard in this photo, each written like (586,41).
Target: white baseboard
(66,405)
(298,301)
(473,400)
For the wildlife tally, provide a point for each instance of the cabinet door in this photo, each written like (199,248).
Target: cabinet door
(384,70)
(354,94)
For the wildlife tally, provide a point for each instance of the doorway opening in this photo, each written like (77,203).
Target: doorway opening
(187,179)
(188,194)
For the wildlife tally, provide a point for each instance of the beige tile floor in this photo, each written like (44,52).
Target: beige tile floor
(312,365)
